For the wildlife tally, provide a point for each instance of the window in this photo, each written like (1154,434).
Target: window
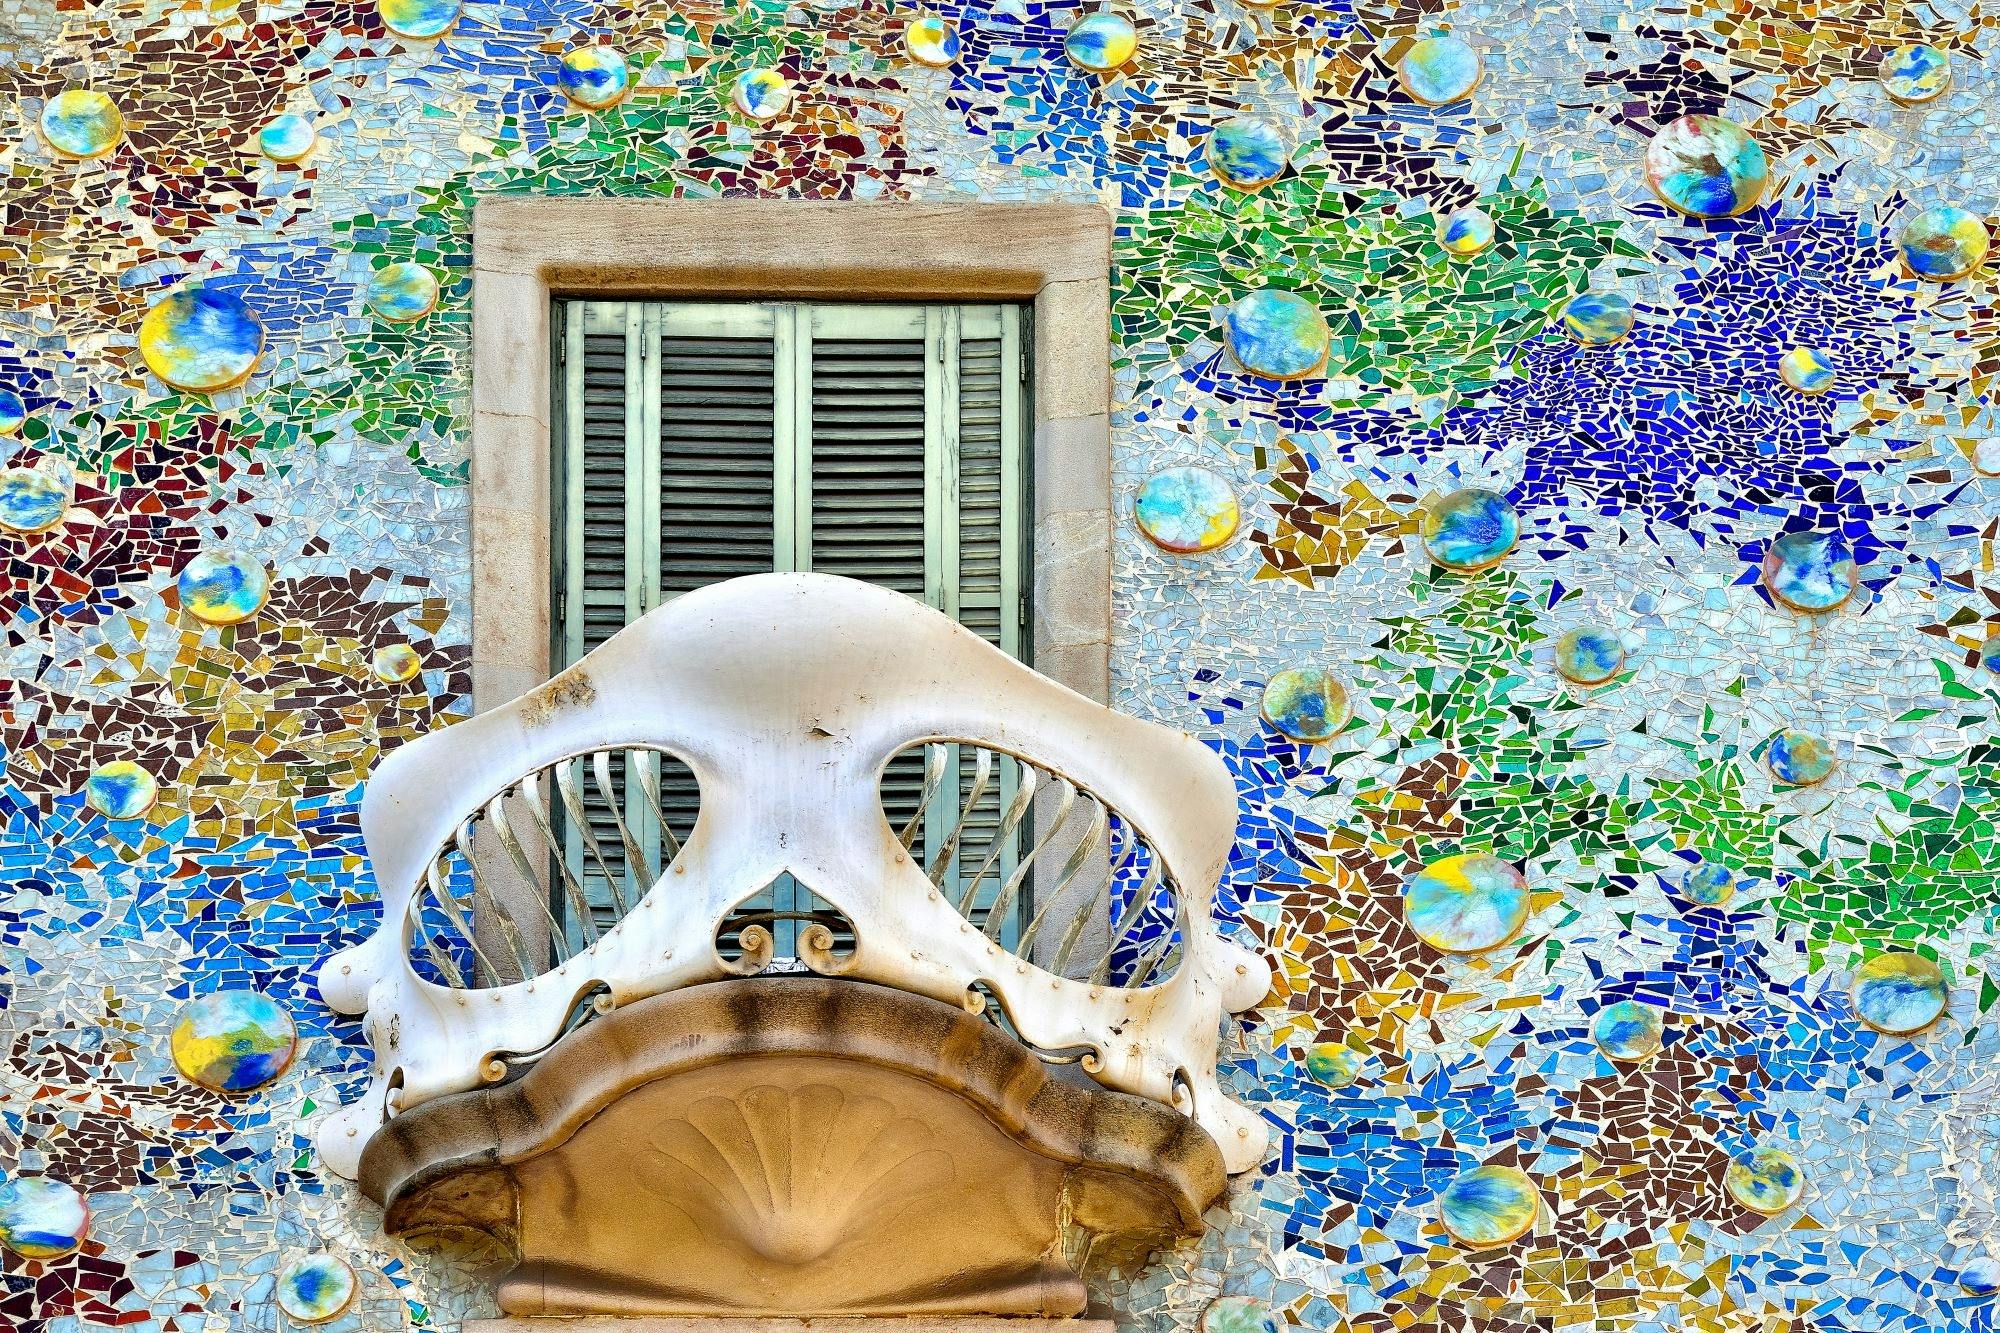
(698,442)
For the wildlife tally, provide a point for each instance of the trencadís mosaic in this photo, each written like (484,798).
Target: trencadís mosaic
(1592,402)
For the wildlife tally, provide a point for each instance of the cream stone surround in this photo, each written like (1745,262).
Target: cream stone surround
(530,250)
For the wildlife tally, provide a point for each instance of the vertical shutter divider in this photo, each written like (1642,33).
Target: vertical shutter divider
(943,814)
(638,811)
(570,477)
(792,493)
(941,436)
(648,453)
(793,503)
(1015,450)
(637,468)
(941,459)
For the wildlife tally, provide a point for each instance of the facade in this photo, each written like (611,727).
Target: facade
(1629,477)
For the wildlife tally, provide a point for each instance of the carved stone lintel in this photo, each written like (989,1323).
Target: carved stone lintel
(795,1146)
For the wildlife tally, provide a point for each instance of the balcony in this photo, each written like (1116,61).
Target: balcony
(797,953)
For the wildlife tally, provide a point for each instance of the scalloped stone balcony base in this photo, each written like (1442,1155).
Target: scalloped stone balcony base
(795,1146)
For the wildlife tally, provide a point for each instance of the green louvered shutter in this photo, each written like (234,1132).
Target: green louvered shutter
(880,442)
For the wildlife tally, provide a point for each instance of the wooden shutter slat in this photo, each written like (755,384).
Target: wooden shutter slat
(867,458)
(717,445)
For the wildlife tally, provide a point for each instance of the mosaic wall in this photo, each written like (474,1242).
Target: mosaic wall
(1563,433)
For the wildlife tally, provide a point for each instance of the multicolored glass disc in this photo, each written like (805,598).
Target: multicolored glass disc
(201,339)
(1589,655)
(761,94)
(13,413)
(1246,152)
(42,1218)
(223,588)
(1277,334)
(1438,71)
(1101,42)
(314,1289)
(1467,232)
(1980,1276)
(932,41)
(424,20)
(120,789)
(287,138)
(1333,1064)
(1899,993)
(1799,758)
(1187,510)
(1237,1314)
(1986,456)
(1598,319)
(402,291)
(1470,529)
(1628,1030)
(1706,167)
(233,1041)
(82,123)
(1915,73)
(1708,884)
(1305,704)
(1466,904)
(1767,1180)
(1488,1206)
(1810,571)
(34,499)
(1807,370)
(594,77)
(1942,243)
(395,663)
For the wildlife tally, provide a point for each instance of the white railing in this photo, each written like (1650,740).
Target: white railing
(1043,867)
(801,768)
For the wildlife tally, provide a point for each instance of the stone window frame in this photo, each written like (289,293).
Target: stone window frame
(529,251)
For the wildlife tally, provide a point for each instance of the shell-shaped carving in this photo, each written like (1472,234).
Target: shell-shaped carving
(792,1172)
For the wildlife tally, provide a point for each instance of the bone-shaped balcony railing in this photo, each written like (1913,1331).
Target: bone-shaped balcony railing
(951,823)
(1045,869)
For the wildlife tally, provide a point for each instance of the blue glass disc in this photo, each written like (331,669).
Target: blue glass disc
(1598,319)
(1800,758)
(1466,904)
(1489,1206)
(1246,152)
(1101,42)
(1899,993)
(1438,71)
(1277,334)
(1706,167)
(1628,1030)
(1470,529)
(1810,571)
(1589,655)
(1708,884)
(594,77)
(1915,73)
(1767,1180)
